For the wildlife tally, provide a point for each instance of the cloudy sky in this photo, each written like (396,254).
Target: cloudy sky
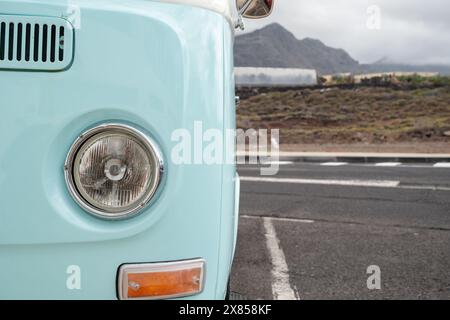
(406,31)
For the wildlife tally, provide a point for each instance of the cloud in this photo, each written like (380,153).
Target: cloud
(411,31)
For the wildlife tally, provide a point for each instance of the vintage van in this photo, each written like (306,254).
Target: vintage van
(92,205)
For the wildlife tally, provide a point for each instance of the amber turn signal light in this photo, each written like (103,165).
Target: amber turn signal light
(161,280)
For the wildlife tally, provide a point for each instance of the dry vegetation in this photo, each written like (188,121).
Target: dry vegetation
(361,115)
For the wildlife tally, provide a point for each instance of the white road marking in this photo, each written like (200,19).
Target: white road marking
(281,287)
(334,164)
(347,183)
(281,163)
(275,143)
(388,164)
(338,164)
(352,155)
(425,187)
(442,165)
(355,183)
(280,219)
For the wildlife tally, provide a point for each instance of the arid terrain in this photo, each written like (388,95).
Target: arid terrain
(361,118)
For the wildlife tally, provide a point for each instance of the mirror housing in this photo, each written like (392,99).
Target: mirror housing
(255,9)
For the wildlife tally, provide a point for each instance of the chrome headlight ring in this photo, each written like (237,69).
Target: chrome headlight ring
(90,188)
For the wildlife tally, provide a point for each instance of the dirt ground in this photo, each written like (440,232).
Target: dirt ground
(372,119)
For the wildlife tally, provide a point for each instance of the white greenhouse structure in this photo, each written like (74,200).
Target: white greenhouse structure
(274,77)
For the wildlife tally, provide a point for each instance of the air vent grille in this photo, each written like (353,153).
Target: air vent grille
(35,43)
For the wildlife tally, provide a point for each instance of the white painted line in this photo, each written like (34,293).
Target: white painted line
(429,166)
(355,183)
(275,143)
(348,183)
(351,154)
(334,164)
(281,287)
(425,187)
(280,163)
(388,164)
(442,165)
(280,219)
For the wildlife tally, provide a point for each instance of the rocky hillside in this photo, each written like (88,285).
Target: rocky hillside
(275,47)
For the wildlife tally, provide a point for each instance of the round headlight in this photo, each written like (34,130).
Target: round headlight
(113,171)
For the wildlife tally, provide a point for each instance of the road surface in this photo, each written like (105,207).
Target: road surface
(313,230)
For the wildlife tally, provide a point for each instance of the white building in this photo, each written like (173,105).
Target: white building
(274,77)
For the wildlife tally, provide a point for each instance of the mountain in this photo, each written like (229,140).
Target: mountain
(275,47)
(398,67)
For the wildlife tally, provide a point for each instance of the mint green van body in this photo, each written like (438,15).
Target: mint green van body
(154,65)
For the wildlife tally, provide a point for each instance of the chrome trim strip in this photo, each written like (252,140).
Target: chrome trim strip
(158,172)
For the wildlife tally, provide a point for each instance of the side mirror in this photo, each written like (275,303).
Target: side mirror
(254,9)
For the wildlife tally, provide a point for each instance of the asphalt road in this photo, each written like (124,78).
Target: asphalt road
(312,231)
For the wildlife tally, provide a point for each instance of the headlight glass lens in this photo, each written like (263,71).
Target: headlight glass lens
(115,172)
